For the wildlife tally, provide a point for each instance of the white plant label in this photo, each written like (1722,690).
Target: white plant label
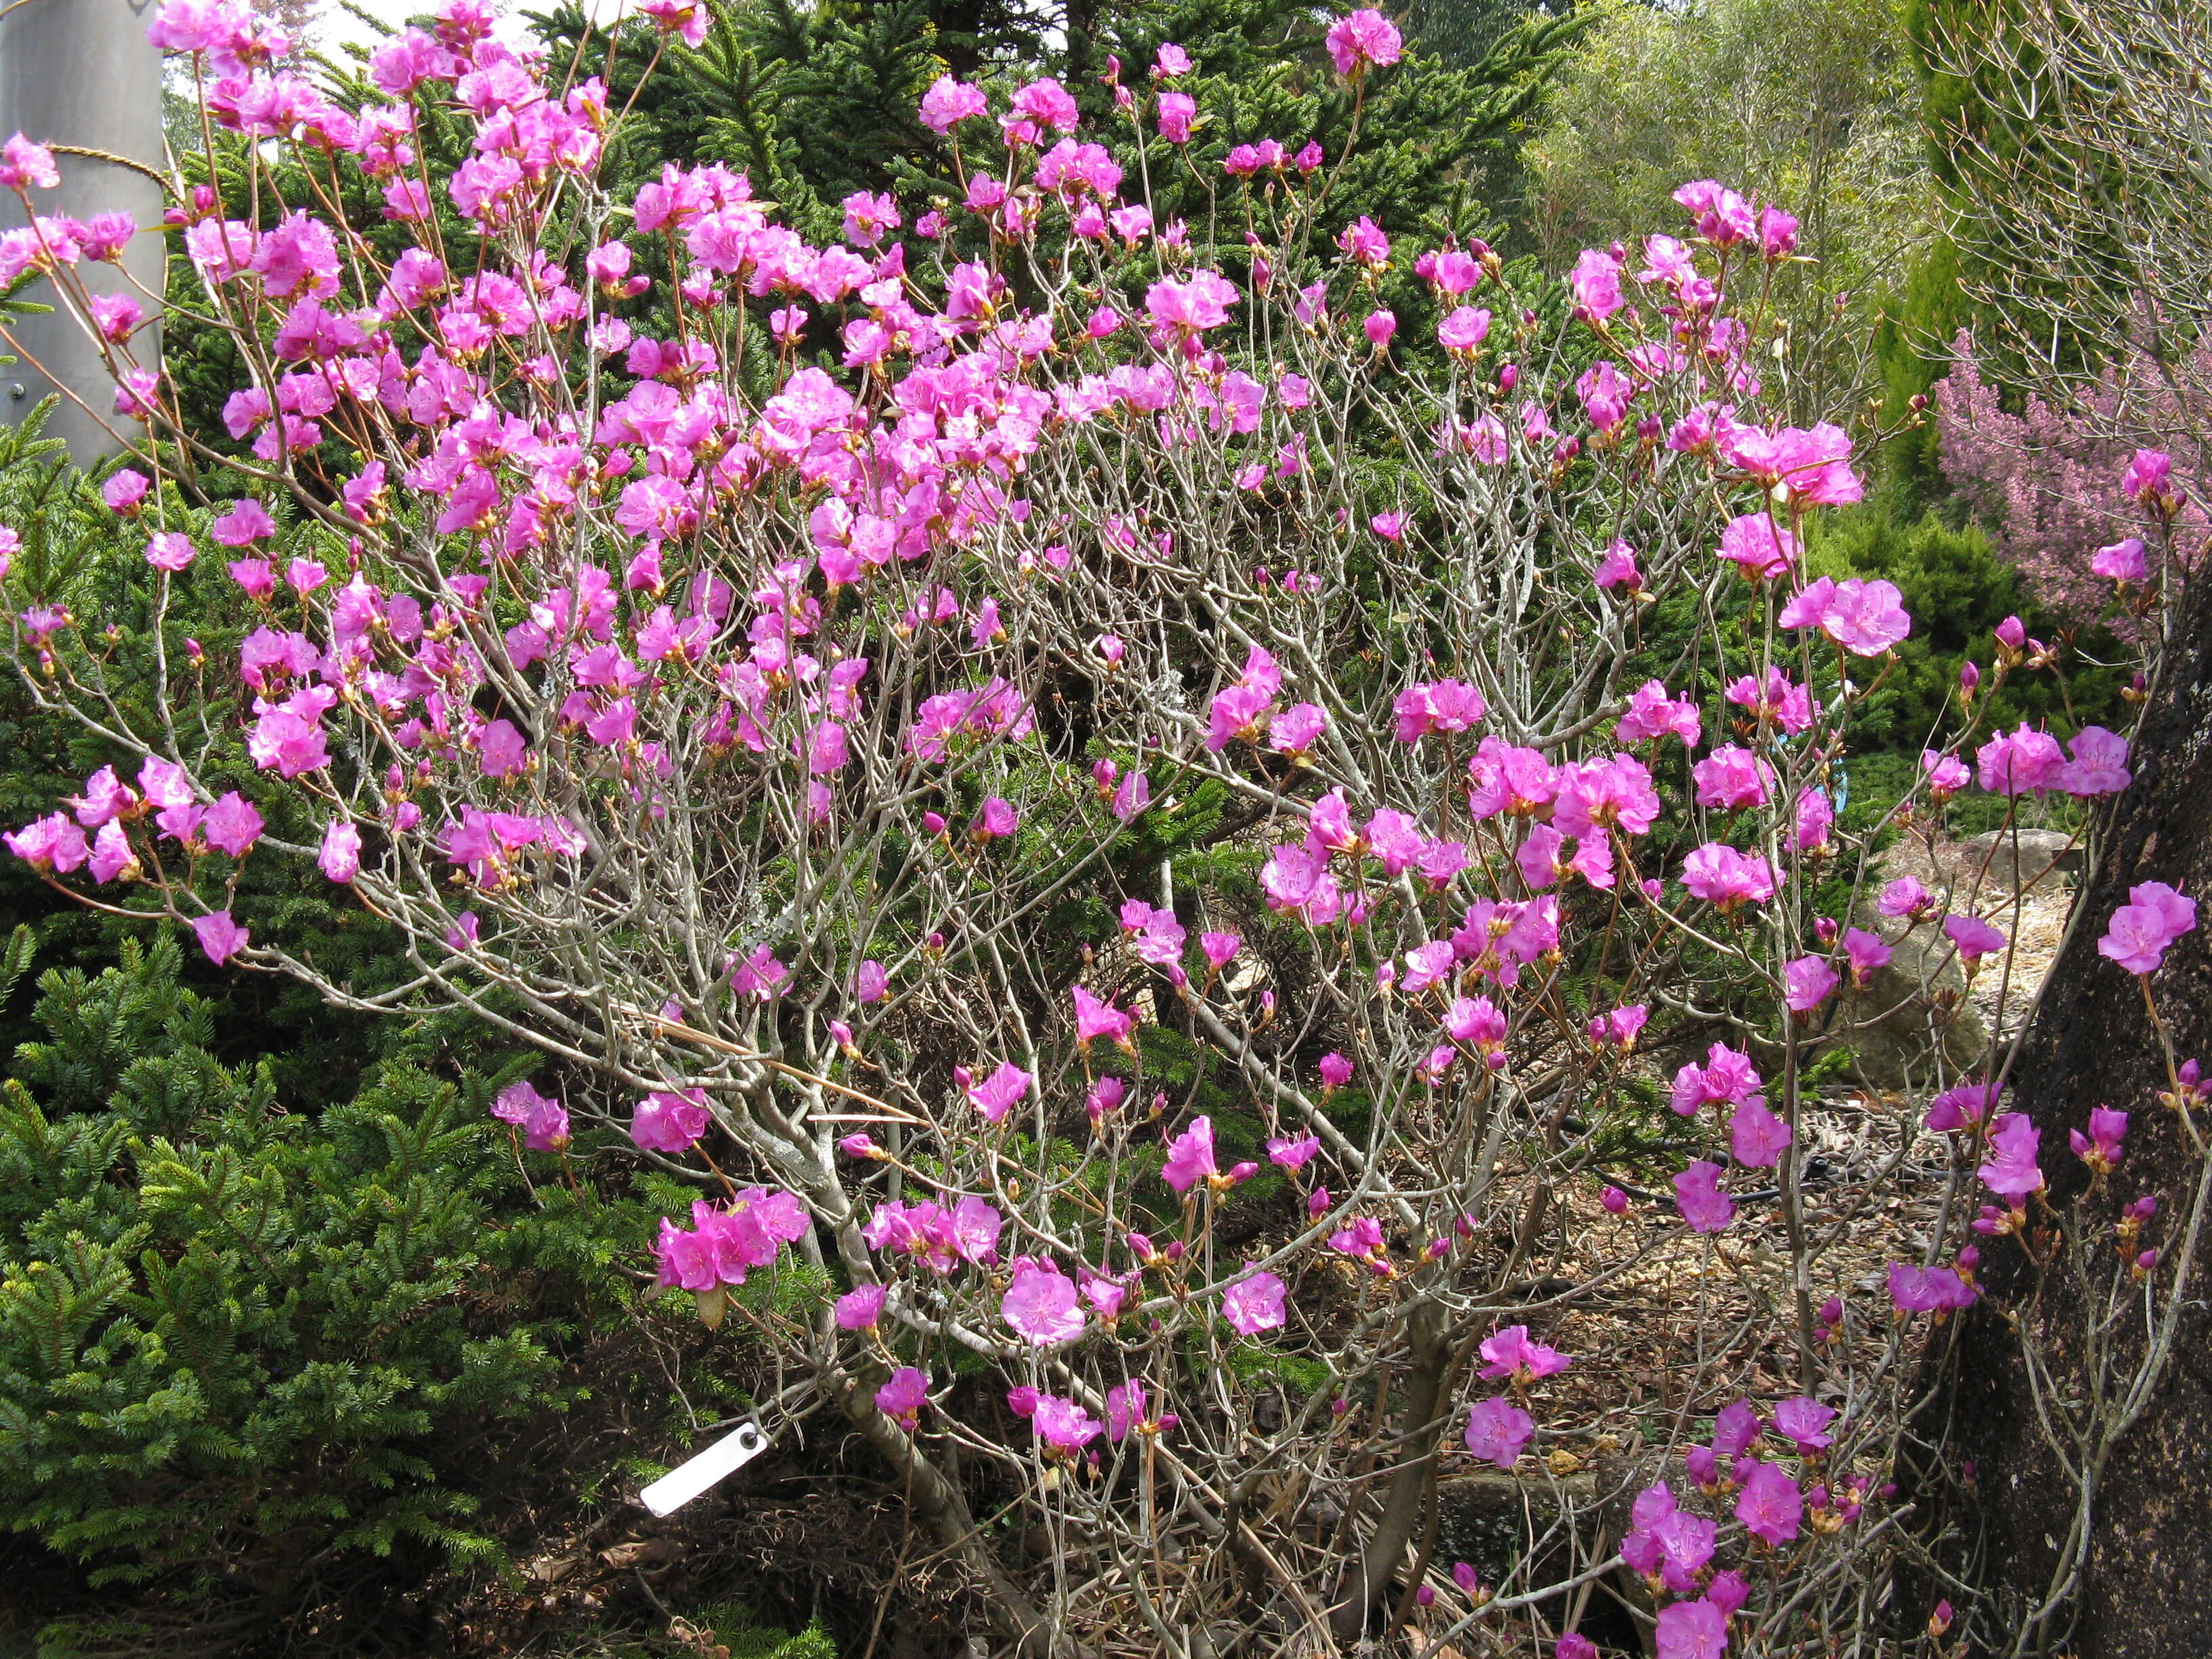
(687,1480)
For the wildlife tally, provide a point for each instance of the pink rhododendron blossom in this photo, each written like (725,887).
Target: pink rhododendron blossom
(1498,1431)
(1761,548)
(2100,1148)
(999,1093)
(1727,878)
(1041,1303)
(1757,1138)
(1254,1302)
(670,1122)
(861,1308)
(903,1397)
(1808,982)
(1931,1290)
(1363,39)
(2139,931)
(2011,1170)
(1770,1505)
(1703,1205)
(544,1122)
(1190,1156)
(1510,1353)
(1690,1630)
(1652,713)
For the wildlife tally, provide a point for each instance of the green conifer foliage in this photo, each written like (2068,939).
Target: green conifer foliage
(238,1343)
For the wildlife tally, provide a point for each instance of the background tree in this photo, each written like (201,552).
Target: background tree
(2079,137)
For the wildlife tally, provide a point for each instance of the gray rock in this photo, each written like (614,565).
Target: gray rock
(1988,864)
(1911,1010)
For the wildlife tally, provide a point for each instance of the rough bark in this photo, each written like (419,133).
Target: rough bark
(2149,1548)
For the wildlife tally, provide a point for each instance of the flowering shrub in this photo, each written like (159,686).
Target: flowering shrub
(921,730)
(2052,484)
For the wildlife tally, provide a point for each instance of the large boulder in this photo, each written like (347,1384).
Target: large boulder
(1910,1010)
(1988,866)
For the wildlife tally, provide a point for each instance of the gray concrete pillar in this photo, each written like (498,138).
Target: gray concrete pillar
(82,72)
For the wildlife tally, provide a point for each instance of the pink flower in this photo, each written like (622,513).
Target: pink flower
(246,522)
(1001,1092)
(544,1122)
(106,796)
(2099,766)
(1063,1425)
(1691,1630)
(2122,561)
(1869,955)
(1787,705)
(1293,1155)
(1866,617)
(1770,1506)
(1447,706)
(2011,1171)
(2019,762)
(169,550)
(2100,1148)
(1255,1302)
(1947,774)
(1617,569)
(1620,1027)
(1756,1136)
(25,166)
(1594,796)
(221,939)
(870,981)
(1975,937)
(1933,1290)
(1903,897)
(1731,777)
(2153,918)
(860,1307)
(1094,1020)
(1755,543)
(1595,285)
(2148,474)
(232,825)
(1362,1240)
(1510,1353)
(1697,1195)
(1176,111)
(1041,1303)
(1365,38)
(1725,877)
(1462,331)
(1498,1431)
(1652,714)
(1726,1078)
(125,492)
(948,102)
(903,1398)
(1959,1106)
(1804,1423)
(1190,1156)
(1807,983)
(666,1122)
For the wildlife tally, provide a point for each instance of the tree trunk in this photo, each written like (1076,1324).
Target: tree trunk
(2147,1552)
